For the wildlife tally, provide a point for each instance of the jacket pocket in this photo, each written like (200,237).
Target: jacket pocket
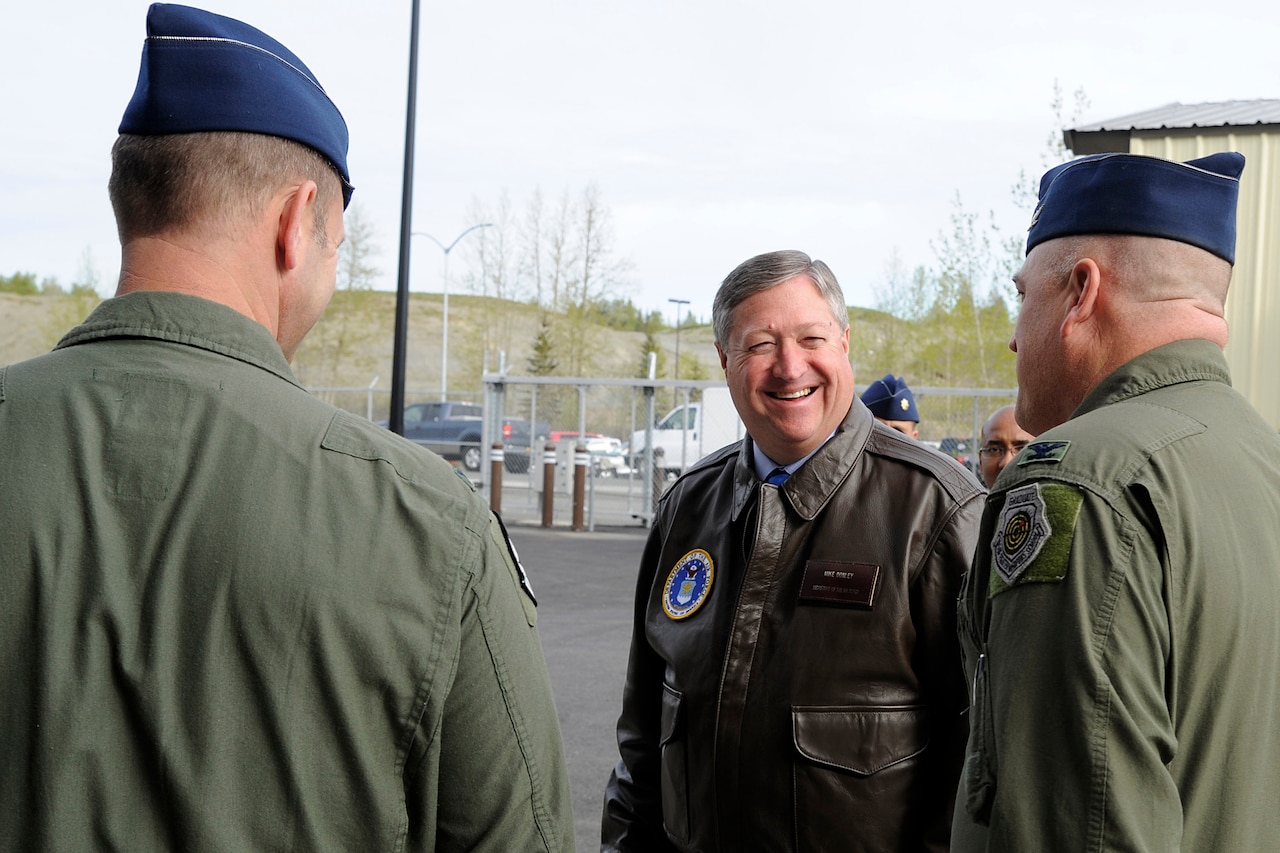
(675,775)
(854,777)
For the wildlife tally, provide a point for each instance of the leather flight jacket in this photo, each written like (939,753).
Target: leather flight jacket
(794,681)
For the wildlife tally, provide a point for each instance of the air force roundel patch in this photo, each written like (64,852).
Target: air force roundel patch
(1021,532)
(688,584)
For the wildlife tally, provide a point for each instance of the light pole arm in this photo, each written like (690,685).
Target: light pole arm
(444,308)
(449,248)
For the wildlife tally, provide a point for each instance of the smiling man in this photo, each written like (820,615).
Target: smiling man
(794,680)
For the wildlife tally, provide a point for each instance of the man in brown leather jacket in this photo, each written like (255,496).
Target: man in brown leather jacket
(794,681)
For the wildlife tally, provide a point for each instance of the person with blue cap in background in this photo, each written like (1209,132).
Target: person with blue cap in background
(1119,625)
(891,401)
(235,617)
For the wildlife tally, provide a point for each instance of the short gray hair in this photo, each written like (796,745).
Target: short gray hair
(769,270)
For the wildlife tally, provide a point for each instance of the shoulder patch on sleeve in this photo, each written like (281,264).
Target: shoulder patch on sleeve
(522,577)
(1033,533)
(1043,451)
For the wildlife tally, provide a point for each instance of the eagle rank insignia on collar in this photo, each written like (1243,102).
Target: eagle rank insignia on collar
(688,584)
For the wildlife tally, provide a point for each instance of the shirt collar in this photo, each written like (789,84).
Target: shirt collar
(764,466)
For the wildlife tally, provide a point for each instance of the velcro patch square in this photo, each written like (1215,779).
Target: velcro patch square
(1032,539)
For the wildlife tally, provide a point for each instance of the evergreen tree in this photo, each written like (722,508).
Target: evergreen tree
(543,361)
(650,345)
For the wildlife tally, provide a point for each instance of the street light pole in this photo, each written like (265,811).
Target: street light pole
(679,303)
(444,335)
(401,331)
(676,373)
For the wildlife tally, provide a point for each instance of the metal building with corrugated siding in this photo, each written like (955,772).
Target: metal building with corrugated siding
(1184,132)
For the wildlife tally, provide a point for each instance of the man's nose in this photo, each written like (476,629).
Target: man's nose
(789,360)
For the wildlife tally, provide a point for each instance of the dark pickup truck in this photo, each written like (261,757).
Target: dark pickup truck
(454,429)
(448,428)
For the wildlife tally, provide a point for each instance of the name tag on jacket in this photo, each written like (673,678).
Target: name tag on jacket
(830,582)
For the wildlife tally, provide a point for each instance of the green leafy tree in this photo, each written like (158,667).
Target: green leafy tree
(21,283)
(622,314)
(950,324)
(649,345)
(693,367)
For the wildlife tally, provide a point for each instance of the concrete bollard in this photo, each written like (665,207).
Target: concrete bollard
(548,485)
(581,462)
(495,477)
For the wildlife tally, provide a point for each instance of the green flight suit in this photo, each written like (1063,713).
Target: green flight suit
(1121,626)
(234,617)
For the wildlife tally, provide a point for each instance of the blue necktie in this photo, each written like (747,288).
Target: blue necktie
(777,476)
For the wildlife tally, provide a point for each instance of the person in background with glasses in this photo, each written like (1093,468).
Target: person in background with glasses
(1002,439)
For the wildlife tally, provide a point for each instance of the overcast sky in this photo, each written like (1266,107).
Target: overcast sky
(714,130)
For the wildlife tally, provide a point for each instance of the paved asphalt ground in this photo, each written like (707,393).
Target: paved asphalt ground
(585,585)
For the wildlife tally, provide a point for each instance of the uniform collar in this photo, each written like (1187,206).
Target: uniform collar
(187,320)
(1192,360)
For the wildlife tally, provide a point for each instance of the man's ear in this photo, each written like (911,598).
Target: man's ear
(724,359)
(296,224)
(1083,287)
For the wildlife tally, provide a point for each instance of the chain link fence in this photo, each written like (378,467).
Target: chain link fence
(614,421)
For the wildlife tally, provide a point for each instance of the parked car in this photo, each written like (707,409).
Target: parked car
(959,449)
(608,457)
(520,440)
(686,434)
(562,435)
(448,428)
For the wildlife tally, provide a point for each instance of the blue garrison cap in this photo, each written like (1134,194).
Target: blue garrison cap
(1192,202)
(890,399)
(206,72)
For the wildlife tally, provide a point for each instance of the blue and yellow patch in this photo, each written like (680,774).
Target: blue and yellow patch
(688,584)
(1032,539)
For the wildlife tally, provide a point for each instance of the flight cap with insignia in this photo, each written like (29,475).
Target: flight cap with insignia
(205,72)
(1192,202)
(890,399)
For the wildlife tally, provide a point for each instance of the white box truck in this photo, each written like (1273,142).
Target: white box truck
(685,435)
